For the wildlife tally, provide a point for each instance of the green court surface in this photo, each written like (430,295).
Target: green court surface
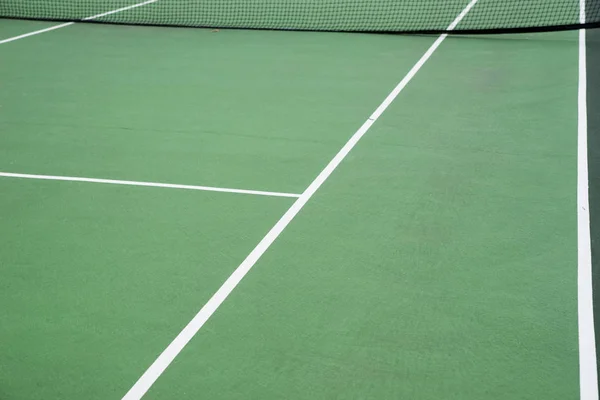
(438,261)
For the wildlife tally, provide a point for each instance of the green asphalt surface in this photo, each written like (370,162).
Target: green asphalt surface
(439,261)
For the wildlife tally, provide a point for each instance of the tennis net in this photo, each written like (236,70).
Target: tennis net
(319,15)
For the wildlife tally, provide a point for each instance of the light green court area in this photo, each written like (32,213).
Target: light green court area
(94,277)
(182,106)
(439,261)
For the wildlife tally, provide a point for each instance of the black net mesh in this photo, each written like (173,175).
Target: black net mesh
(318,15)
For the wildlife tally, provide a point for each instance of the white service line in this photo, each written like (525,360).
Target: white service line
(150,184)
(12,39)
(588,375)
(145,382)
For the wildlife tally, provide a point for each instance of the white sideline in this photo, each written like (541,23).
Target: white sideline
(12,39)
(588,375)
(139,389)
(150,184)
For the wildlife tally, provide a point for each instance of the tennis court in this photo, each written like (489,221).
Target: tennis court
(213,213)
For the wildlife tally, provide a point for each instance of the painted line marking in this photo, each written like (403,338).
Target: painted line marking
(148,184)
(139,389)
(118,10)
(588,373)
(12,39)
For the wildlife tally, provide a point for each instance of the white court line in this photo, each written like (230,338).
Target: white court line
(118,10)
(150,184)
(12,39)
(588,373)
(155,370)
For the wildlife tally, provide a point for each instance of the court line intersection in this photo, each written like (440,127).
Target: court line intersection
(145,382)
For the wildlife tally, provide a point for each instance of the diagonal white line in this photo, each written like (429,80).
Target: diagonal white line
(118,10)
(155,370)
(12,39)
(148,184)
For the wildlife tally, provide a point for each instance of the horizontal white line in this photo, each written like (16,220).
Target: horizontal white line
(150,184)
